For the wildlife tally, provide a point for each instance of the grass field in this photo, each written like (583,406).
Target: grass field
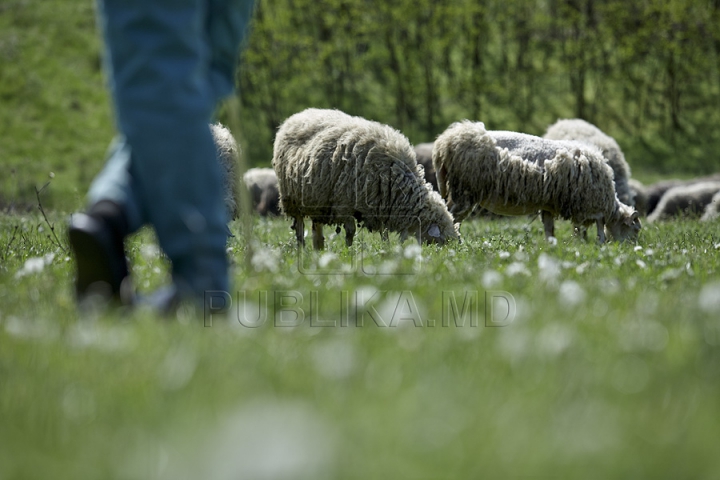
(608,366)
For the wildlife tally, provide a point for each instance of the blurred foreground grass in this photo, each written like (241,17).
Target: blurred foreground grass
(609,367)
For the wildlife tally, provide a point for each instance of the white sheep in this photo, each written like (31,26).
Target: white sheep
(582,131)
(683,200)
(712,211)
(516,174)
(227,152)
(335,168)
(262,184)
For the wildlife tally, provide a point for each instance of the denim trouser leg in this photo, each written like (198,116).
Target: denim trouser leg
(163,58)
(114,183)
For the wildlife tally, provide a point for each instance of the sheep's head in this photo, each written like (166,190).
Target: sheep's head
(437,224)
(625,224)
(440,234)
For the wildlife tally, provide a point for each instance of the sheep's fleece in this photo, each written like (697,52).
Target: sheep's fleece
(516,174)
(582,131)
(227,152)
(335,168)
(685,200)
(712,211)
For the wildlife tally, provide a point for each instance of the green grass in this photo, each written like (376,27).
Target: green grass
(610,366)
(609,369)
(55,115)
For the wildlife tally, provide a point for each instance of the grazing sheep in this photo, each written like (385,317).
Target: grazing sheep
(685,200)
(639,194)
(656,191)
(516,174)
(582,131)
(335,168)
(423,152)
(712,211)
(263,187)
(227,151)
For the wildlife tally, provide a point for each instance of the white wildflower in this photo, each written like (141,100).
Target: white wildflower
(491,279)
(326,259)
(549,268)
(413,251)
(517,268)
(265,259)
(571,293)
(709,299)
(35,265)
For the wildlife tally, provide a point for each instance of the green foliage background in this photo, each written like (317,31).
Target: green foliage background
(645,72)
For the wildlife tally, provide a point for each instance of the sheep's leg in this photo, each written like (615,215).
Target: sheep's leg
(299,227)
(601,230)
(349,231)
(318,239)
(548,223)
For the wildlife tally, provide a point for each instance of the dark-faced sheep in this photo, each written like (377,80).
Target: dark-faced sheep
(336,169)
(263,187)
(685,200)
(656,190)
(516,174)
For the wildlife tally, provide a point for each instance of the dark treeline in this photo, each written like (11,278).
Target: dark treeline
(646,71)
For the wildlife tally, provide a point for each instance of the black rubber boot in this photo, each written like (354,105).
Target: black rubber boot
(96,239)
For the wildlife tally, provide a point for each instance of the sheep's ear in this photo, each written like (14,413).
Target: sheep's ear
(434,231)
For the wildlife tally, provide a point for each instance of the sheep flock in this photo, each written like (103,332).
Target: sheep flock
(346,171)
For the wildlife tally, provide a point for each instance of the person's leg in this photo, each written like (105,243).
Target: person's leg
(160,58)
(114,184)
(226,27)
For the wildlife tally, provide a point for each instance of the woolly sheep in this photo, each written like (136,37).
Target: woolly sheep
(423,152)
(263,187)
(335,168)
(685,200)
(516,174)
(582,131)
(227,152)
(712,211)
(656,191)
(424,158)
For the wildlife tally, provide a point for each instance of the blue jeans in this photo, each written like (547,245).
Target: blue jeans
(169,63)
